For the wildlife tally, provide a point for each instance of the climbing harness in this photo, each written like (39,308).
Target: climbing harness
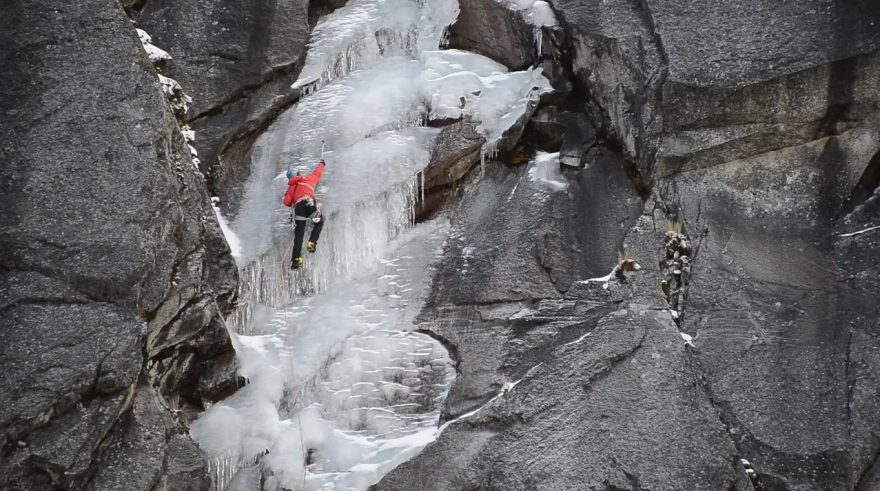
(311,201)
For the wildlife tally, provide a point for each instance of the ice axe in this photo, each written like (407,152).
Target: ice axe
(322,149)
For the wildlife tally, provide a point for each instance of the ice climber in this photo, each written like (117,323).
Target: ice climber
(301,196)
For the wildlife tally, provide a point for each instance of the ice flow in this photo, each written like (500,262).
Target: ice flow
(341,387)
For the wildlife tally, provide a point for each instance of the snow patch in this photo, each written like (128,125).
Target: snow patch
(544,171)
(459,84)
(156,55)
(604,279)
(688,339)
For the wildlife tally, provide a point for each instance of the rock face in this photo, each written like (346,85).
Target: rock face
(115,275)
(237,61)
(744,352)
(731,149)
(491,29)
(684,84)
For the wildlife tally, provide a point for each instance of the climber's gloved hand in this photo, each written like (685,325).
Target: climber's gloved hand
(321,161)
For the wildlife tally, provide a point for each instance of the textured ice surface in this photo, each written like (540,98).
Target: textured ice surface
(341,374)
(458,83)
(363,31)
(341,389)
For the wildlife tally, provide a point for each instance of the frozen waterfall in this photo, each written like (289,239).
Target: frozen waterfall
(341,387)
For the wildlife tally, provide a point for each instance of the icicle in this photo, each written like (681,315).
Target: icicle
(222,469)
(488,151)
(538,32)
(422,187)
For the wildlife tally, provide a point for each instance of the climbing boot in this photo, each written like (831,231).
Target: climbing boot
(310,246)
(298,262)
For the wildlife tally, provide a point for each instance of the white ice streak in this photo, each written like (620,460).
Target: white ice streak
(231,238)
(505,390)
(544,171)
(853,234)
(578,340)
(508,387)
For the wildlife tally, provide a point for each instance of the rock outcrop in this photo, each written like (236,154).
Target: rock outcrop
(752,132)
(491,29)
(237,60)
(115,274)
(685,84)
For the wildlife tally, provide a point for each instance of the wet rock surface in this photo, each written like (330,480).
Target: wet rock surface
(114,271)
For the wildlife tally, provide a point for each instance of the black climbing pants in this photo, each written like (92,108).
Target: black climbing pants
(303,212)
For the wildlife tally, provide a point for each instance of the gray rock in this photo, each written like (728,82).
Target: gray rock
(237,60)
(223,50)
(686,79)
(579,137)
(546,129)
(620,61)
(604,400)
(514,242)
(455,154)
(517,240)
(777,318)
(108,242)
(149,441)
(489,28)
(726,122)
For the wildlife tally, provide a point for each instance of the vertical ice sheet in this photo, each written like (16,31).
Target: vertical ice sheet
(342,114)
(366,121)
(340,374)
(364,31)
(337,378)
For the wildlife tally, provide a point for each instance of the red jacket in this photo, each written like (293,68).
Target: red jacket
(299,187)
